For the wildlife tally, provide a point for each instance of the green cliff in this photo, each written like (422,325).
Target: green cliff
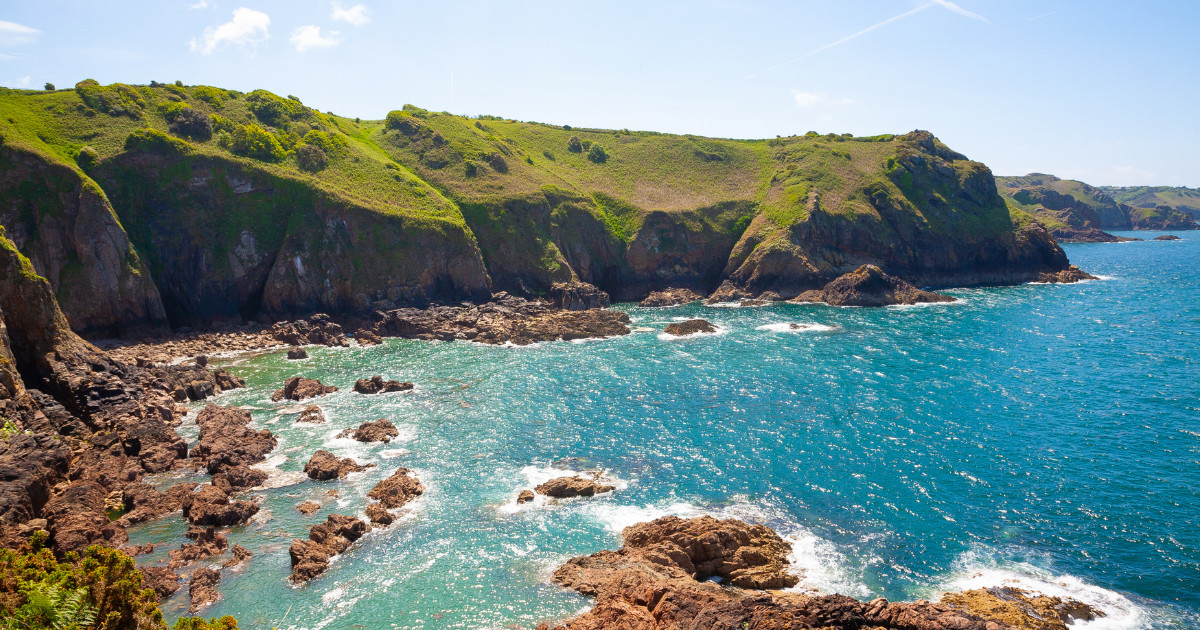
(1073,210)
(149,205)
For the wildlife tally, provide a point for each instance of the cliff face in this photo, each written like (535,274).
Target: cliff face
(1071,209)
(65,225)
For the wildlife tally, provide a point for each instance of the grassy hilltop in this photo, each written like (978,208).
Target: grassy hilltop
(184,204)
(1179,198)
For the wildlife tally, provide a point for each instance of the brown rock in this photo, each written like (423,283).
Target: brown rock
(308,507)
(870,286)
(317,330)
(210,505)
(300,388)
(577,296)
(312,414)
(208,543)
(1066,276)
(311,557)
(377,431)
(670,297)
(576,486)
(1166,237)
(145,503)
(226,441)
(525,496)
(164,582)
(323,466)
(397,490)
(1022,609)
(295,354)
(203,589)
(376,385)
(690,327)
(379,515)
(367,338)
(240,555)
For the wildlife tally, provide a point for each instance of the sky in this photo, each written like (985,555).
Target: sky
(1097,90)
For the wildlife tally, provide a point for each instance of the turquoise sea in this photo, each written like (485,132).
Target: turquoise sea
(1043,435)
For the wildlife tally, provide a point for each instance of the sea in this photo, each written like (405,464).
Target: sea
(1040,436)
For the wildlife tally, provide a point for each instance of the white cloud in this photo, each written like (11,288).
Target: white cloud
(203,4)
(13,34)
(20,84)
(356,15)
(807,99)
(247,28)
(308,37)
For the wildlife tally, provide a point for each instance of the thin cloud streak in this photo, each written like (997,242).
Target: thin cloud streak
(950,6)
(1046,15)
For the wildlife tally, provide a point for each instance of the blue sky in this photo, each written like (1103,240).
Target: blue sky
(1096,90)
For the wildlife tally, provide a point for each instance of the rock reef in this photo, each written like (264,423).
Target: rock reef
(376,385)
(300,388)
(870,286)
(690,327)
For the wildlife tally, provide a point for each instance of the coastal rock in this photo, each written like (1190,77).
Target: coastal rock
(226,441)
(376,431)
(1087,235)
(237,478)
(397,490)
(504,320)
(208,543)
(578,296)
(311,557)
(203,589)
(1167,237)
(299,388)
(312,415)
(145,503)
(526,496)
(565,487)
(1066,276)
(379,515)
(670,297)
(76,518)
(376,385)
(308,507)
(317,330)
(163,581)
(870,286)
(240,554)
(295,354)
(30,466)
(209,505)
(746,556)
(324,466)
(1022,609)
(690,327)
(366,337)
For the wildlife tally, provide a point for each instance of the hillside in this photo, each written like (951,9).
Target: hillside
(147,206)
(1177,198)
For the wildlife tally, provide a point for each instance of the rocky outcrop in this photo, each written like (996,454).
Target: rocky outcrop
(202,588)
(311,415)
(1167,237)
(207,543)
(308,507)
(577,296)
(300,388)
(662,579)
(670,297)
(397,490)
(211,506)
(295,354)
(376,385)
(238,556)
(1022,609)
(163,581)
(525,496)
(227,441)
(145,503)
(375,431)
(317,330)
(690,327)
(324,466)
(870,286)
(573,486)
(310,558)
(1087,235)
(1066,276)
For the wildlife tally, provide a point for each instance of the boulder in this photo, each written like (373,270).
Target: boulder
(690,327)
(311,557)
(870,286)
(367,337)
(300,388)
(1066,276)
(295,354)
(226,441)
(317,330)
(312,415)
(670,297)
(376,431)
(397,490)
(376,385)
(324,465)
(577,296)
(209,505)
(163,581)
(308,507)
(526,496)
(379,515)
(576,486)
(203,589)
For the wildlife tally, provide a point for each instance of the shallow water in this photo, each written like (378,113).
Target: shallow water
(1041,433)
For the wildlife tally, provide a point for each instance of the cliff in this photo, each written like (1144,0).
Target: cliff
(1179,198)
(1076,211)
(188,205)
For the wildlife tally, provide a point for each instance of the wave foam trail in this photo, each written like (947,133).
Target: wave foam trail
(794,327)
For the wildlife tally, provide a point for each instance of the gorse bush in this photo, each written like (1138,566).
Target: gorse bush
(196,623)
(273,110)
(117,99)
(497,162)
(254,141)
(597,154)
(153,141)
(191,123)
(221,123)
(49,87)
(311,158)
(215,97)
(332,144)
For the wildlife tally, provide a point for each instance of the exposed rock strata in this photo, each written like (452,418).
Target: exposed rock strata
(376,385)
(870,286)
(690,327)
(577,296)
(300,388)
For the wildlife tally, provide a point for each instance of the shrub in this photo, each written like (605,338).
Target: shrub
(311,158)
(153,141)
(574,145)
(49,87)
(87,158)
(438,139)
(471,169)
(221,123)
(496,161)
(117,99)
(196,623)
(194,124)
(548,155)
(332,144)
(179,83)
(272,110)
(597,154)
(400,121)
(258,143)
(211,95)
(529,160)
(566,127)
(170,110)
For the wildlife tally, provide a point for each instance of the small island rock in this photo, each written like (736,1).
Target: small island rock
(690,327)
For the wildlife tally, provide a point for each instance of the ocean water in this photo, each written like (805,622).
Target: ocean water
(1038,435)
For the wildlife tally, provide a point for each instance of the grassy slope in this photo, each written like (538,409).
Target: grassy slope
(1183,198)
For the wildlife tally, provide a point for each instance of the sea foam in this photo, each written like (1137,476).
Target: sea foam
(793,327)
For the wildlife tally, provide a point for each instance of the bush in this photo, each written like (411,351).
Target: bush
(153,141)
(221,123)
(497,162)
(331,144)
(574,145)
(196,623)
(211,95)
(258,143)
(472,169)
(49,87)
(272,110)
(438,139)
(117,99)
(179,83)
(194,124)
(311,158)
(597,154)
(548,155)
(87,158)
(170,110)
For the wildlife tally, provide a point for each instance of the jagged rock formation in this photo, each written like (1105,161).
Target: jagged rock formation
(311,557)
(379,430)
(226,441)
(376,385)
(324,466)
(300,388)
(573,486)
(670,297)
(577,296)
(870,286)
(690,327)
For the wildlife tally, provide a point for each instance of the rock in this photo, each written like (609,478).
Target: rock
(139,550)
(202,360)
(379,515)
(295,354)
(397,490)
(317,330)
(144,503)
(203,589)
(504,320)
(209,505)
(208,543)
(377,431)
(376,385)
(670,297)
(323,466)
(1087,235)
(311,557)
(312,414)
(367,338)
(1022,609)
(240,555)
(690,327)
(30,465)
(164,582)
(299,388)
(308,507)
(240,477)
(226,441)
(526,496)
(76,518)
(1167,237)
(1066,276)
(870,286)
(576,486)
(577,296)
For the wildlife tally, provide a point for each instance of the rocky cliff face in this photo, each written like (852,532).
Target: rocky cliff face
(1076,211)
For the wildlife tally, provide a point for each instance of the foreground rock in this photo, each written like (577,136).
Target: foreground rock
(870,286)
(203,589)
(375,431)
(397,490)
(577,296)
(525,496)
(376,385)
(209,505)
(1066,276)
(299,388)
(690,327)
(164,582)
(1167,237)
(566,487)
(1022,609)
(317,330)
(660,580)
(226,440)
(311,415)
(208,542)
(324,466)
(670,297)
(310,558)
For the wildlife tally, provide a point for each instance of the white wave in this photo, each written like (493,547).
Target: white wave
(793,327)
(277,478)
(1098,277)
(956,302)
(976,569)
(641,329)
(821,567)
(537,475)
(739,304)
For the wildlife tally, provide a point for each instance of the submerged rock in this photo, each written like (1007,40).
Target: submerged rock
(565,487)
(312,415)
(870,286)
(324,465)
(376,385)
(375,431)
(299,388)
(690,327)
(1022,609)
(1066,276)
(670,297)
